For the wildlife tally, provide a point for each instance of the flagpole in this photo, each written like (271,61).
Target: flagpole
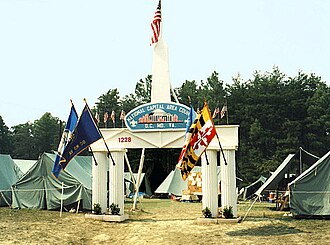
(62,199)
(161,23)
(223,154)
(218,106)
(207,160)
(226,111)
(90,148)
(109,154)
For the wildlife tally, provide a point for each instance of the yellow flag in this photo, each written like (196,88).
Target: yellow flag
(202,132)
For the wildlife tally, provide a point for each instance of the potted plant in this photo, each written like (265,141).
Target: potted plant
(97,208)
(228,212)
(207,212)
(114,209)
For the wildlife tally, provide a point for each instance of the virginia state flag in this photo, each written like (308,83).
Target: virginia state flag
(202,132)
(84,134)
(66,135)
(190,119)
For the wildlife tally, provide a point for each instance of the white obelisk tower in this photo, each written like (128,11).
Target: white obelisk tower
(160,87)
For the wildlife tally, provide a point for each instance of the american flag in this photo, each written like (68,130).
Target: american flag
(223,111)
(155,24)
(97,118)
(216,111)
(122,115)
(113,116)
(105,117)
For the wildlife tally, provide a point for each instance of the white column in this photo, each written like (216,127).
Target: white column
(228,181)
(210,182)
(99,177)
(116,179)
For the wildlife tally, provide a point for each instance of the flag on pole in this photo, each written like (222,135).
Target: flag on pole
(85,133)
(155,24)
(202,132)
(66,136)
(190,119)
(105,117)
(122,115)
(113,117)
(223,111)
(97,118)
(215,113)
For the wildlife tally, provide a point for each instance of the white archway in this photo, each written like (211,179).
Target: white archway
(121,139)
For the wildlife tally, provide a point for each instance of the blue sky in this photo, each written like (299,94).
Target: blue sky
(52,51)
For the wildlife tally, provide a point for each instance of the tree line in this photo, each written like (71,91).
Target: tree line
(276,115)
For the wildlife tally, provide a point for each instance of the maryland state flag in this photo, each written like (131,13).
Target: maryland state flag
(201,133)
(85,133)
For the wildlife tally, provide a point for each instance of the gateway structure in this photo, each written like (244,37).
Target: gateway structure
(162,124)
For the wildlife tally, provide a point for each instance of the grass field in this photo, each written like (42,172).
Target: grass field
(160,221)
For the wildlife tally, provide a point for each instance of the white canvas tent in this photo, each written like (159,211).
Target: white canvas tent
(272,182)
(250,189)
(281,173)
(129,186)
(173,183)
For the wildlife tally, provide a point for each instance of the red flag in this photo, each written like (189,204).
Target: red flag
(155,24)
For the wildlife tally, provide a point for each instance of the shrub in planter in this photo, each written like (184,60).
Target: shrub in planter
(207,212)
(228,212)
(97,208)
(114,209)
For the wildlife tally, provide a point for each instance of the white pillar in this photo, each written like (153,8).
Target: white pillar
(116,179)
(210,182)
(99,177)
(228,181)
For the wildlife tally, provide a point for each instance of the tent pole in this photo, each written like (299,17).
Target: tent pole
(62,199)
(138,179)
(250,208)
(300,161)
(130,171)
(78,206)
(3,196)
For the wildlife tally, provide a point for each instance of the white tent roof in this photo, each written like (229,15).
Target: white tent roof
(275,178)
(24,165)
(173,183)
